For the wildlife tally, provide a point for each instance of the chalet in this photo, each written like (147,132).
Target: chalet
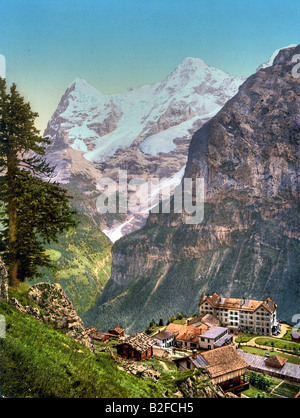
(118,331)
(96,335)
(276,366)
(165,338)
(186,336)
(215,337)
(135,347)
(247,315)
(224,365)
(103,337)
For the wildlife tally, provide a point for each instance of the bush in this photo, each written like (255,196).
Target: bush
(259,381)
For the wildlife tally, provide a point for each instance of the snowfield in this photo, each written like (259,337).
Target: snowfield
(99,124)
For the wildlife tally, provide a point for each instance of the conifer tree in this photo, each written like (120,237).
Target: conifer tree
(34,209)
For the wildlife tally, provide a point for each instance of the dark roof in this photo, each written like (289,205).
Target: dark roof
(223,340)
(276,361)
(199,361)
(288,370)
(163,335)
(214,332)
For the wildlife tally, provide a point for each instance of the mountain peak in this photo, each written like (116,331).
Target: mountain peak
(84,89)
(190,61)
(271,60)
(191,65)
(79,82)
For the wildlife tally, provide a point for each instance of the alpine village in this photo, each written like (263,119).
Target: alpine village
(228,348)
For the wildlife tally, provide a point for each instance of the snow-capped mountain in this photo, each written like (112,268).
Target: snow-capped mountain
(144,130)
(270,61)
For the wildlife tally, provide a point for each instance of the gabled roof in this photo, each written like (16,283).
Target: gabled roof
(163,335)
(276,361)
(223,360)
(289,370)
(139,342)
(210,320)
(186,332)
(117,329)
(217,301)
(206,319)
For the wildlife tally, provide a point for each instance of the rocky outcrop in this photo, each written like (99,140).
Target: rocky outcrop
(3,282)
(138,369)
(248,241)
(28,309)
(198,387)
(56,310)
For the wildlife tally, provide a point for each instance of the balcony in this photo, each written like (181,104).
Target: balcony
(236,385)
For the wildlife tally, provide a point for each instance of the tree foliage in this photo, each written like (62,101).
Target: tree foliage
(34,209)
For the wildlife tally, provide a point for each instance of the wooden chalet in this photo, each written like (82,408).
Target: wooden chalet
(227,368)
(96,335)
(135,347)
(224,365)
(118,331)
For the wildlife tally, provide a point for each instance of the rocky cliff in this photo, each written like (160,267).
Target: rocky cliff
(248,242)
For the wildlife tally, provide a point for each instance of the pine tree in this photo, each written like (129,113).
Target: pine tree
(35,210)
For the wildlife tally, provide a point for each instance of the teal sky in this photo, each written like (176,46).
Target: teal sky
(117,44)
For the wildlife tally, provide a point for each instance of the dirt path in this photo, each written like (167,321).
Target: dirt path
(252,342)
(164,365)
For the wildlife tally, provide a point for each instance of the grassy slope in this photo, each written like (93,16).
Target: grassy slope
(39,362)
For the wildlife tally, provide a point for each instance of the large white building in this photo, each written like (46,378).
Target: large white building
(247,315)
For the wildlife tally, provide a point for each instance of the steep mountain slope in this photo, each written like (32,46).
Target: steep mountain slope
(248,242)
(145,131)
(82,260)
